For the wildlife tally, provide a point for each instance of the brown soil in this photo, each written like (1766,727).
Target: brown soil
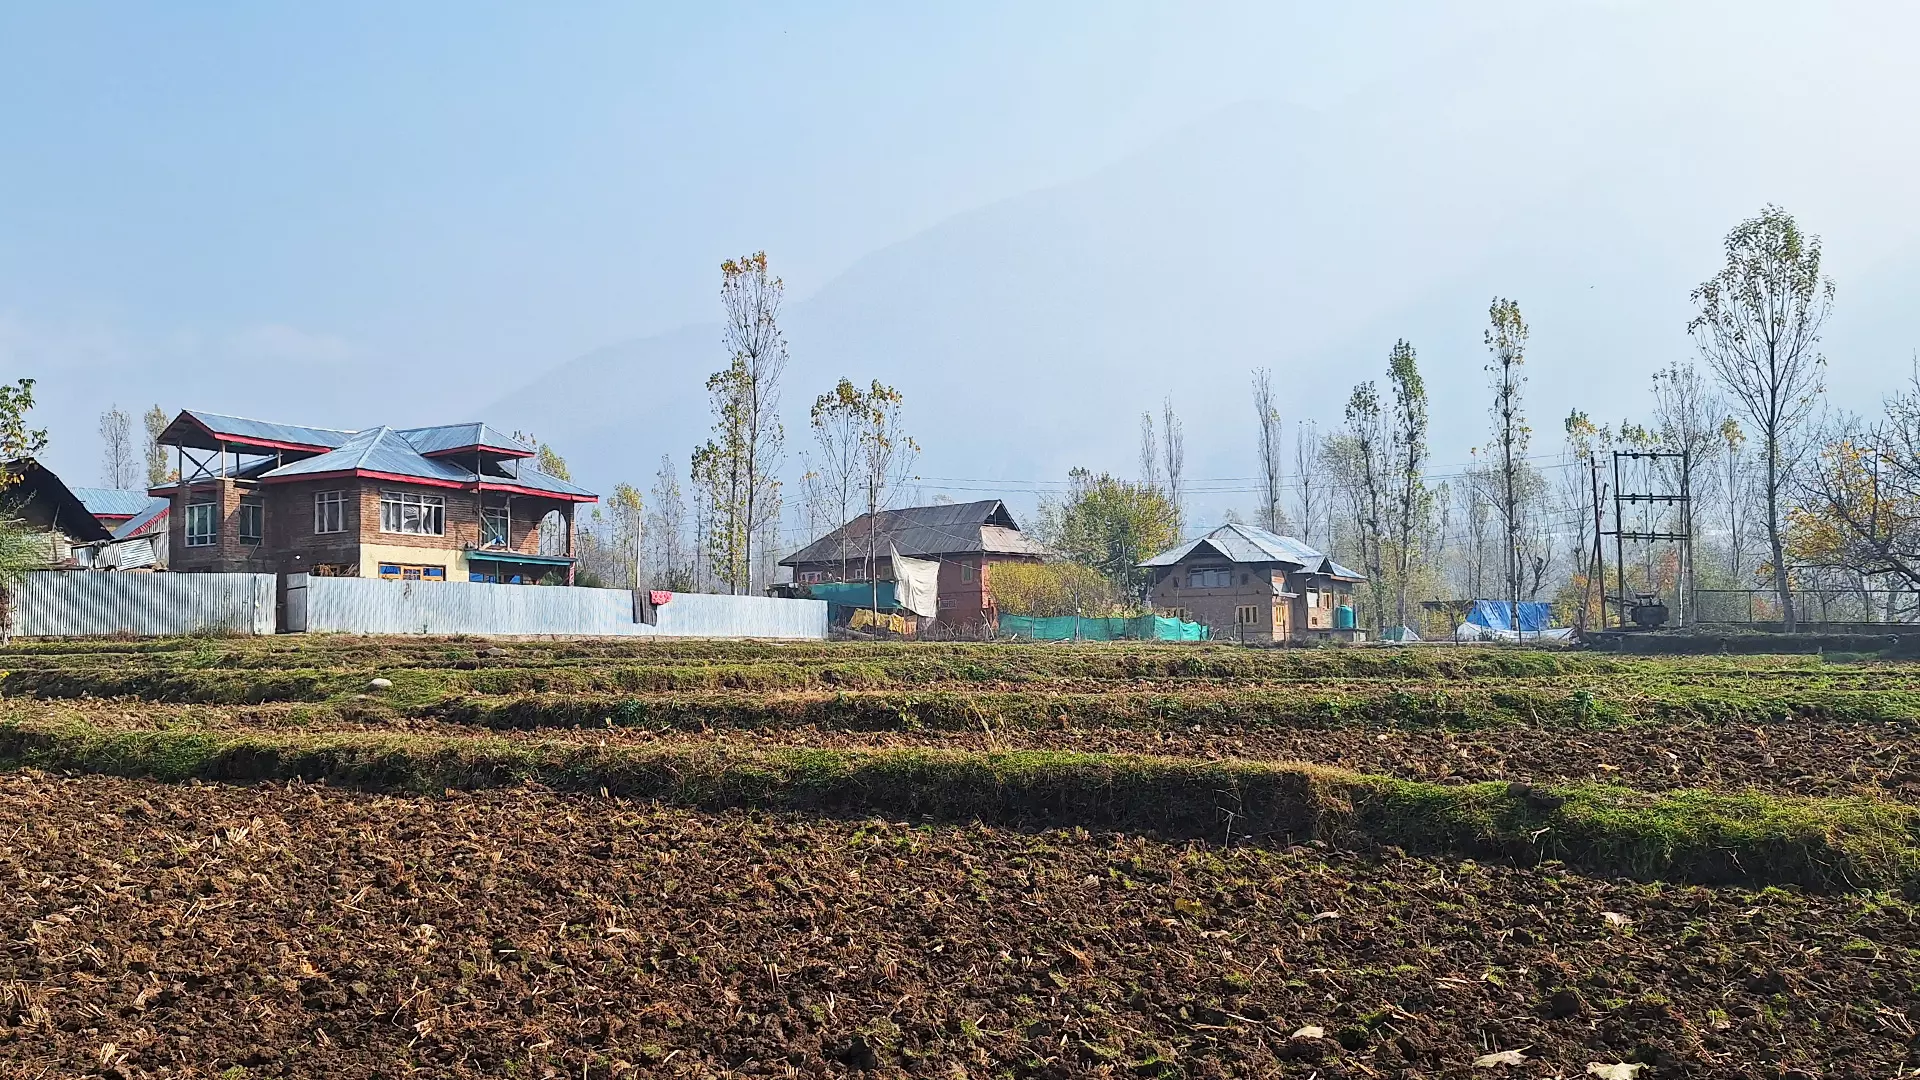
(1809,757)
(248,932)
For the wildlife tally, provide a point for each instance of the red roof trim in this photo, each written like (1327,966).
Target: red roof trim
(515,489)
(245,440)
(518,452)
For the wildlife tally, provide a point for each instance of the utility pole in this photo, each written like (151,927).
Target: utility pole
(1598,564)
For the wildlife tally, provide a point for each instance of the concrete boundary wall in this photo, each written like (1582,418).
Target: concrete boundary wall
(370,606)
(94,603)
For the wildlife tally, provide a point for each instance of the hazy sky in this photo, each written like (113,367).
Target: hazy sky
(353,214)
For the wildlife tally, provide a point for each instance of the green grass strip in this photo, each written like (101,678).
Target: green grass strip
(1749,839)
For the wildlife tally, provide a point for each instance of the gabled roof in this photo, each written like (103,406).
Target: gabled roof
(112,502)
(39,496)
(454,438)
(207,431)
(1239,543)
(919,531)
(151,518)
(379,451)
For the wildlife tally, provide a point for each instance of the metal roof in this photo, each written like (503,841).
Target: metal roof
(945,529)
(379,450)
(388,452)
(445,437)
(1249,544)
(150,516)
(112,502)
(206,431)
(523,474)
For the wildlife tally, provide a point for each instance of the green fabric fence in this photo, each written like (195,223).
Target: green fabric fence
(1073,628)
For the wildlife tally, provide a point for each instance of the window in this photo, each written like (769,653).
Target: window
(253,521)
(200,525)
(495,525)
(1210,578)
(413,513)
(812,577)
(1246,615)
(967,573)
(946,602)
(407,572)
(329,511)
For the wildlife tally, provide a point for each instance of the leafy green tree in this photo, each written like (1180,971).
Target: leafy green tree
(17,440)
(1758,328)
(156,455)
(1111,526)
(1407,459)
(1048,589)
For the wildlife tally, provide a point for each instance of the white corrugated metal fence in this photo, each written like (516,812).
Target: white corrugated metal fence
(91,603)
(369,606)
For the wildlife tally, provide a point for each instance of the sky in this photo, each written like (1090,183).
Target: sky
(356,214)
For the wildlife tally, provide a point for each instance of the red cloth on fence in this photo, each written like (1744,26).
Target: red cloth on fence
(659,596)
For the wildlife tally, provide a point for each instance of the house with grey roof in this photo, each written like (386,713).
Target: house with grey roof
(967,539)
(457,502)
(1249,584)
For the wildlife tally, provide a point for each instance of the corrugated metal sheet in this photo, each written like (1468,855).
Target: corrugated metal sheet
(1251,544)
(946,529)
(112,502)
(380,449)
(241,427)
(431,440)
(94,603)
(367,606)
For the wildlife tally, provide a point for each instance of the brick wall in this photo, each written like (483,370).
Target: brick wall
(291,544)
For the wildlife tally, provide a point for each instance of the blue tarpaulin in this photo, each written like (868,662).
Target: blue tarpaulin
(1535,615)
(853,594)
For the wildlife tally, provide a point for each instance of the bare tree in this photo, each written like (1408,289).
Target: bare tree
(1173,447)
(666,532)
(887,455)
(628,525)
(156,454)
(1149,452)
(117,466)
(1359,453)
(1687,415)
(838,417)
(1507,340)
(1272,515)
(1732,444)
(1308,486)
(1758,327)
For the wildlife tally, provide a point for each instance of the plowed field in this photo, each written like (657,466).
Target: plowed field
(243,859)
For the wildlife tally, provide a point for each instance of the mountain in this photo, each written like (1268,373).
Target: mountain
(1028,335)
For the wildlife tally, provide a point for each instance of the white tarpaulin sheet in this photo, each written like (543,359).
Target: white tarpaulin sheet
(1475,632)
(916,584)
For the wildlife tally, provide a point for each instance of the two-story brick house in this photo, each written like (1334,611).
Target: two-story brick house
(1248,584)
(459,502)
(966,538)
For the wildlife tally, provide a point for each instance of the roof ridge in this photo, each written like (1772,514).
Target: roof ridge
(274,423)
